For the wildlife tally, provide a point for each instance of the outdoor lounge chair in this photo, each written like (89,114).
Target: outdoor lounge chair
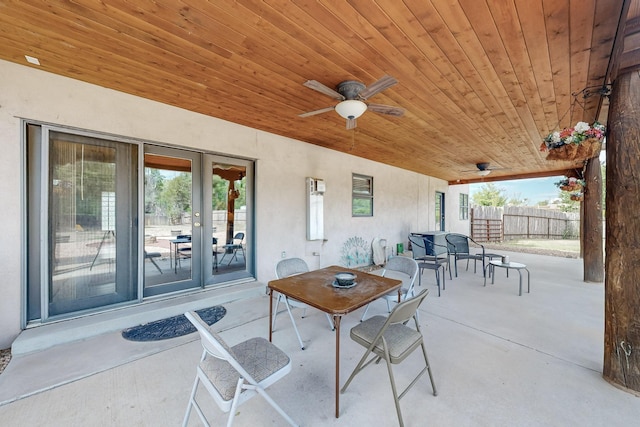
(234,375)
(460,249)
(424,252)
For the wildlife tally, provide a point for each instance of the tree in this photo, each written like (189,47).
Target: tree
(490,195)
(517,200)
(153,185)
(566,204)
(175,198)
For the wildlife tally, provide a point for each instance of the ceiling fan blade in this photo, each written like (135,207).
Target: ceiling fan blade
(386,109)
(377,87)
(351,124)
(313,113)
(316,85)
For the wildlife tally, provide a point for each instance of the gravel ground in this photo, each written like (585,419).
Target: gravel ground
(531,250)
(5,357)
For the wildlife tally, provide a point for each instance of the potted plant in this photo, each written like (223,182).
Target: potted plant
(580,142)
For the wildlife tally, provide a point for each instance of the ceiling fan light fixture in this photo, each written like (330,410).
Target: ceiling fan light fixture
(484,172)
(351,108)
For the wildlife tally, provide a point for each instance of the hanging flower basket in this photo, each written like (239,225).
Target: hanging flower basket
(571,185)
(581,142)
(578,197)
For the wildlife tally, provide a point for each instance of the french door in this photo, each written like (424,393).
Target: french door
(172,220)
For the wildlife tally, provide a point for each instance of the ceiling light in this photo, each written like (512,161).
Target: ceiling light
(351,108)
(484,172)
(32,60)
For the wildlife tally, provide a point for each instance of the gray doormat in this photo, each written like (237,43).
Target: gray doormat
(172,327)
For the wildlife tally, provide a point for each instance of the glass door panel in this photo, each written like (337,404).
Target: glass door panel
(172,224)
(230,220)
(91,208)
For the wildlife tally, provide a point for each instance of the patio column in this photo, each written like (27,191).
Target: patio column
(622,277)
(592,248)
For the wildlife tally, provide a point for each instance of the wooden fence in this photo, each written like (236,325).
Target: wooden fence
(492,224)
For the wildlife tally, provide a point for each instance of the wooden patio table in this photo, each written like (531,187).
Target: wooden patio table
(315,289)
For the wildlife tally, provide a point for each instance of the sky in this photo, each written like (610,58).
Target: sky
(534,189)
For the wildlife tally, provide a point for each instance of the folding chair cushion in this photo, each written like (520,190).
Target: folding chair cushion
(257,356)
(401,340)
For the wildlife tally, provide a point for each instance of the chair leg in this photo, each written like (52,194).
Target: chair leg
(193,404)
(153,261)
(275,406)
(234,403)
(275,313)
(331,325)
(426,359)
(293,322)
(396,399)
(437,271)
(365,312)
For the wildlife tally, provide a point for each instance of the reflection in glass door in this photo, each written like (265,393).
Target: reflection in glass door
(88,219)
(230,219)
(172,220)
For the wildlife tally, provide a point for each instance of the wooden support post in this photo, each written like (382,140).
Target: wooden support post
(622,275)
(593,251)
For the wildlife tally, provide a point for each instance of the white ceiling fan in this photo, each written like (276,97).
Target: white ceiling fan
(483,169)
(352,94)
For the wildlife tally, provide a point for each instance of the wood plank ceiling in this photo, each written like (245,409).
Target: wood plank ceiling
(479,80)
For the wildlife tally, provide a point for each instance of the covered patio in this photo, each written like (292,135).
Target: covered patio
(498,360)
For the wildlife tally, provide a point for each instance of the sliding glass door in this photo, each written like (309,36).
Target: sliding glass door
(102,232)
(83,239)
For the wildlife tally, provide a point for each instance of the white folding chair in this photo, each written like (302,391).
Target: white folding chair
(408,270)
(285,268)
(234,375)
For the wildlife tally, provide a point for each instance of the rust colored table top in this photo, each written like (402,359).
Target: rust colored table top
(315,289)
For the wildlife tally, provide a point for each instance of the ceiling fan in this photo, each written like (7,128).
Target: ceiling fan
(483,169)
(352,94)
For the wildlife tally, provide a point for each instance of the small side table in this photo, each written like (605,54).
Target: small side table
(490,268)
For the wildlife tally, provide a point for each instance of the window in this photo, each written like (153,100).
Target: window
(464,206)
(362,195)
(440,216)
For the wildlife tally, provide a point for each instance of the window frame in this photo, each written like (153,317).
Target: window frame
(464,206)
(361,192)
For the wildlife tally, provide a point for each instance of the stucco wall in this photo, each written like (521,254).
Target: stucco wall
(403,200)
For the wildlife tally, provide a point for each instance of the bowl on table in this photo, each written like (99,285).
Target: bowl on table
(345,279)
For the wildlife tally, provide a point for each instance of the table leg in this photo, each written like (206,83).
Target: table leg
(270,313)
(336,322)
(520,282)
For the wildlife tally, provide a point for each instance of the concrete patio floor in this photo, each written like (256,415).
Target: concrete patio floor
(498,359)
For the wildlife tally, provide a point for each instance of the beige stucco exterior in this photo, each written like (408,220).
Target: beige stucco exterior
(403,200)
